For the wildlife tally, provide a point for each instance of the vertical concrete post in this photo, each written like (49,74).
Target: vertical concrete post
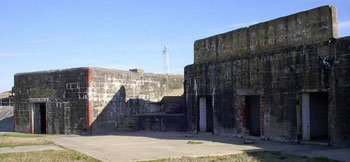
(262,117)
(46,119)
(31,108)
(89,106)
(305,114)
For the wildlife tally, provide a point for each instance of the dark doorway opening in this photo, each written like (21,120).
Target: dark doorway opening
(319,116)
(39,114)
(42,107)
(253,115)
(210,126)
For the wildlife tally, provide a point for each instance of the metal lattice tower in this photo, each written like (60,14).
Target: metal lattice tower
(166,60)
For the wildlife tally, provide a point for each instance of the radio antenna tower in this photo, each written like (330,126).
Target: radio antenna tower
(166,59)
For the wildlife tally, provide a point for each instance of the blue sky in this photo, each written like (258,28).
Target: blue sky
(56,34)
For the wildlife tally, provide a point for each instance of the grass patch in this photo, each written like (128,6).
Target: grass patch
(194,142)
(22,135)
(14,140)
(50,155)
(265,156)
(25,144)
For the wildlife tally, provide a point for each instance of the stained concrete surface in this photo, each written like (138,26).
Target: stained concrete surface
(155,145)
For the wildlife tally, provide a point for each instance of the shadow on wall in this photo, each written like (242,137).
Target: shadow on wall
(6,125)
(6,119)
(138,114)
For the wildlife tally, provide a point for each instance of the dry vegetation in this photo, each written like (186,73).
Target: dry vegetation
(46,156)
(194,142)
(13,140)
(266,156)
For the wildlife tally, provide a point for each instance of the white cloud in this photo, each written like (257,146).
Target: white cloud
(344,25)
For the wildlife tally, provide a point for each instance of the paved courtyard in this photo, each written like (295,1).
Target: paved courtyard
(155,145)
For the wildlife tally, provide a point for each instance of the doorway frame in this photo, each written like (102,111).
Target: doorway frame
(209,109)
(248,118)
(33,102)
(304,127)
(241,95)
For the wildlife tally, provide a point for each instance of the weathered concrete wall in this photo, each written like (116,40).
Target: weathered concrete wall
(279,78)
(63,91)
(92,100)
(172,104)
(117,94)
(278,68)
(276,76)
(340,94)
(308,27)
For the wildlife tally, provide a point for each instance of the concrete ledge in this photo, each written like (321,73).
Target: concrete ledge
(162,122)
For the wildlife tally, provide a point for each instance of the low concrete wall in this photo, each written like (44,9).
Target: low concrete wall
(162,122)
(116,94)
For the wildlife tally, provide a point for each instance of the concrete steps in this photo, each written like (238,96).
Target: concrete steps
(129,124)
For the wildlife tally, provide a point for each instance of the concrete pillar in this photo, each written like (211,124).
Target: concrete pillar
(305,115)
(202,114)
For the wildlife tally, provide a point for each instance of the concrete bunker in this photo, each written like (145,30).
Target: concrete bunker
(263,77)
(97,101)
(253,81)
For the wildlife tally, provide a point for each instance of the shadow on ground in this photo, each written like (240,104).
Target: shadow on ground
(6,125)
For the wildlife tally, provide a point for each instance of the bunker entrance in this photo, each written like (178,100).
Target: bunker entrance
(205,114)
(315,116)
(253,115)
(39,114)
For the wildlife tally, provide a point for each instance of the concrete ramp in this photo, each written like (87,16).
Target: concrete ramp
(6,119)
